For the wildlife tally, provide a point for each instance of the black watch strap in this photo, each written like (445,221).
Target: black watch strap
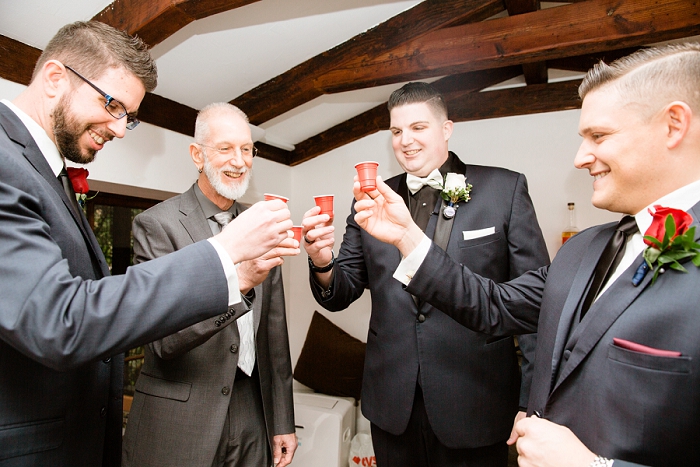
(325,268)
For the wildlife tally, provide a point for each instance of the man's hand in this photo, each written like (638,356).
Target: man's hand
(384,215)
(318,239)
(542,443)
(253,271)
(513,433)
(256,230)
(283,447)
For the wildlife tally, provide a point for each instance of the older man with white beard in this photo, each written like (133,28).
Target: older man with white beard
(217,393)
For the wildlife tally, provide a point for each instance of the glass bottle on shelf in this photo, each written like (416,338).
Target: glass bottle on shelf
(571,229)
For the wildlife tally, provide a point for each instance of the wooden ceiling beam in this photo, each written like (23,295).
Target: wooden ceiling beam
(156,20)
(377,118)
(581,28)
(535,73)
(296,86)
(583,63)
(532,99)
(18,60)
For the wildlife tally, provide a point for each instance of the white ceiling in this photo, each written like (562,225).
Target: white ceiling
(221,57)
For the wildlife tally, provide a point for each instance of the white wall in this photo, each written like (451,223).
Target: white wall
(540,146)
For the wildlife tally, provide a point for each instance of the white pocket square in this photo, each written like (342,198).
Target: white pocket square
(471,234)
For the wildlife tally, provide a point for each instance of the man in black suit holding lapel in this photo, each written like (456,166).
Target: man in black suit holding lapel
(617,373)
(435,393)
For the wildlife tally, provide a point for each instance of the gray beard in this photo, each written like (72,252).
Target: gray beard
(232,192)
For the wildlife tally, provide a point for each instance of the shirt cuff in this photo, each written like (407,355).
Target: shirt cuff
(410,264)
(234,294)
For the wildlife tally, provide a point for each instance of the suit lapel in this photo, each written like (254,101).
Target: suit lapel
(579,287)
(193,219)
(442,226)
(16,130)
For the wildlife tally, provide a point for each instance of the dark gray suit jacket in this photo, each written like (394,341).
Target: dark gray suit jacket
(184,389)
(470,380)
(62,320)
(622,404)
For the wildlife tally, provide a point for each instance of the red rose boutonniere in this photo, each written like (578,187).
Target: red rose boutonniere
(78,178)
(669,241)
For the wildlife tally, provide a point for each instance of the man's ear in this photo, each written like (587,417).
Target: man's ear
(447,128)
(677,118)
(197,156)
(54,77)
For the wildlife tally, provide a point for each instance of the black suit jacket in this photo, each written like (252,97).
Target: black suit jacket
(63,323)
(470,380)
(631,406)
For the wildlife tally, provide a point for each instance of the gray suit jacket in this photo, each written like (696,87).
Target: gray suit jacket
(470,380)
(62,320)
(183,392)
(633,406)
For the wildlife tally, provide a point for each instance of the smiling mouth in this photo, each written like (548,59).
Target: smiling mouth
(599,176)
(96,138)
(234,175)
(412,152)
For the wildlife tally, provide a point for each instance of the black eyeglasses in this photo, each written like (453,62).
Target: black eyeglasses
(115,108)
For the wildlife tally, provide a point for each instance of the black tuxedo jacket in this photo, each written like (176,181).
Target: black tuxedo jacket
(63,323)
(633,406)
(470,380)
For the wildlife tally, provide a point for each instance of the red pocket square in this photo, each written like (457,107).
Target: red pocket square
(644,349)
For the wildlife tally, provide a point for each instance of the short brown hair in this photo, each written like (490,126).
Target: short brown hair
(651,77)
(418,93)
(90,47)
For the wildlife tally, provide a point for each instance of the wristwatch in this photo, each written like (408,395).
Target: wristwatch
(325,268)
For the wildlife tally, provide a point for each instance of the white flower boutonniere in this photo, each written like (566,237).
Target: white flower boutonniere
(454,190)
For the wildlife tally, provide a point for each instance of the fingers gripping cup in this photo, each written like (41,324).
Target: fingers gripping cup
(297,233)
(270,197)
(367,175)
(325,202)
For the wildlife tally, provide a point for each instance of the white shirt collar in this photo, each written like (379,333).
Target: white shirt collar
(46,145)
(683,198)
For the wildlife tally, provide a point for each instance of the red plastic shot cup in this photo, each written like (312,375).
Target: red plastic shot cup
(270,197)
(325,202)
(297,233)
(367,174)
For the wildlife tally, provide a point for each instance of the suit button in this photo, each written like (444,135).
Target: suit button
(225,390)
(103,412)
(107,360)
(234,348)
(567,354)
(421,318)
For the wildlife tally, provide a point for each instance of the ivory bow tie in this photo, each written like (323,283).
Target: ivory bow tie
(433,180)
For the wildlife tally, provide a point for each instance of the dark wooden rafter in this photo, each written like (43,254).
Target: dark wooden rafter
(531,99)
(576,29)
(377,118)
(156,20)
(296,86)
(18,60)
(536,72)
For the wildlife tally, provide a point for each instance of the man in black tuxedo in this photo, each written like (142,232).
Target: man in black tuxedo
(63,321)
(436,393)
(617,373)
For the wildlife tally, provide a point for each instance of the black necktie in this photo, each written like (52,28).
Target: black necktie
(612,254)
(68,188)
